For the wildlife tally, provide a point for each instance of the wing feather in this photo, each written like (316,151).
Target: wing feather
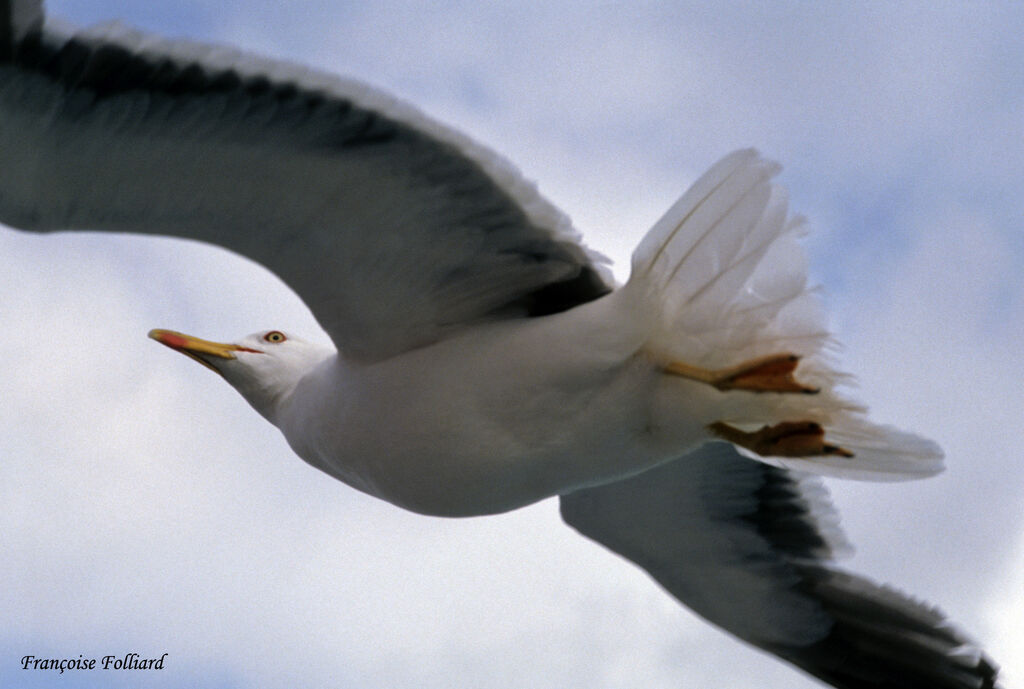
(393,229)
(751,548)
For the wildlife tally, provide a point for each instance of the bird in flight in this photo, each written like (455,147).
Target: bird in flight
(484,358)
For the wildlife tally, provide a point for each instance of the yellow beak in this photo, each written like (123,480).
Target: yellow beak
(197,349)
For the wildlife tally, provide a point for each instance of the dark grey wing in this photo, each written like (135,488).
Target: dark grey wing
(750,548)
(394,229)
(17,19)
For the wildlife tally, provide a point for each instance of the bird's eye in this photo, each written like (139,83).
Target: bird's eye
(275,336)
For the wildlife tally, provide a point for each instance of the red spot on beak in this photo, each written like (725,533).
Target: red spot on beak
(172,340)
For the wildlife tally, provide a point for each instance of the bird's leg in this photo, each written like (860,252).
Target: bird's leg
(786,439)
(772,373)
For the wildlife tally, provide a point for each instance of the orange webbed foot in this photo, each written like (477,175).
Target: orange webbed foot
(773,373)
(786,439)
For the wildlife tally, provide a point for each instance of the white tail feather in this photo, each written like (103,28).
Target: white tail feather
(722,279)
(880,453)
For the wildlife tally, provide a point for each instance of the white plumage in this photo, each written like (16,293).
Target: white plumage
(484,358)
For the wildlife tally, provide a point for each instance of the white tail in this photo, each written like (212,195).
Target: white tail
(722,279)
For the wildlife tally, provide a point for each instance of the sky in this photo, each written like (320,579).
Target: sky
(146,508)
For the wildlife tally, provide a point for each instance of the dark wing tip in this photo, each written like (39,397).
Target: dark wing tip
(882,639)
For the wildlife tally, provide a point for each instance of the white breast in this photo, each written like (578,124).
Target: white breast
(488,421)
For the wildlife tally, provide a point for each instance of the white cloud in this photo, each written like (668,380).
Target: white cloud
(1004,612)
(933,349)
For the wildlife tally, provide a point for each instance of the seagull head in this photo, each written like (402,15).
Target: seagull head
(264,367)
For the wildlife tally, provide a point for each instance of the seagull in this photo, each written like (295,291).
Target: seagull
(483,357)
